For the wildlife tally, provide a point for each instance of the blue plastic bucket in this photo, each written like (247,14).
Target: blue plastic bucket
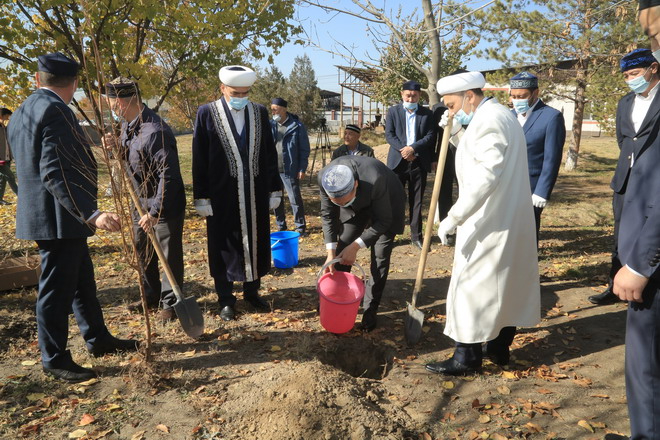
(284,248)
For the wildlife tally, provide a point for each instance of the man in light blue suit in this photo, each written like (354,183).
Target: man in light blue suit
(545,133)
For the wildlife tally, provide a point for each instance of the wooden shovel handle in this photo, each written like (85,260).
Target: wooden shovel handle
(444,146)
(152,236)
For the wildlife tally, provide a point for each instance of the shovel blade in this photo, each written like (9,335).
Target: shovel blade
(190,316)
(413,325)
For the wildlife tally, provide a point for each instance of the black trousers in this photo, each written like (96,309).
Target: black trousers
(225,289)
(472,354)
(381,252)
(445,199)
(169,234)
(412,175)
(643,364)
(537,219)
(66,285)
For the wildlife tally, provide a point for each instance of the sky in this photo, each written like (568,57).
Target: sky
(331,30)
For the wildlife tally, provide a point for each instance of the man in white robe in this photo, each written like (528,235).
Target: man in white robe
(494,286)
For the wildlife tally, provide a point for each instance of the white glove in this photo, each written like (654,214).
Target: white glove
(455,126)
(275,199)
(447,227)
(538,201)
(203,207)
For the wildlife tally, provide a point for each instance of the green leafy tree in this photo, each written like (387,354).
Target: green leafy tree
(161,44)
(303,92)
(591,34)
(271,83)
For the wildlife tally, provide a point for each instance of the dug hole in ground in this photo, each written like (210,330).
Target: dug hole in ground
(280,375)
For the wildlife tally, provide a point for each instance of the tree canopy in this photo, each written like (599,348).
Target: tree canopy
(591,34)
(160,44)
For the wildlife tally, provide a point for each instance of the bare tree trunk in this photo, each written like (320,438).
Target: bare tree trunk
(436,50)
(581,80)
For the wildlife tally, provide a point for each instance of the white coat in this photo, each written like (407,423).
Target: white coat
(495,277)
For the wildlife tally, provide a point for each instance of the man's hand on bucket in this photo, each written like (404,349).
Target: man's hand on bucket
(349,254)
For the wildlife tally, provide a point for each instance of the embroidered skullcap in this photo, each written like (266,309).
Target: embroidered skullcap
(237,76)
(460,82)
(353,127)
(637,58)
(121,87)
(57,64)
(645,4)
(338,180)
(279,101)
(411,85)
(524,80)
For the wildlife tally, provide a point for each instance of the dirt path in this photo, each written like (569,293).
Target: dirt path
(281,376)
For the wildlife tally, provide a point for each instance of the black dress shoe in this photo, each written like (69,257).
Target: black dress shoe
(500,359)
(416,243)
(227,313)
(113,345)
(369,320)
(258,303)
(451,367)
(605,298)
(73,373)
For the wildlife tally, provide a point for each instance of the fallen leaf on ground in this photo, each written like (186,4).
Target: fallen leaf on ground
(28,363)
(163,428)
(78,433)
(86,420)
(504,389)
(138,435)
(584,424)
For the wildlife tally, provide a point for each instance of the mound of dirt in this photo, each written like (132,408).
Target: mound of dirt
(311,401)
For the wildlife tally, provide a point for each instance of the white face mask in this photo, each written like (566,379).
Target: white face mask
(277,118)
(347,204)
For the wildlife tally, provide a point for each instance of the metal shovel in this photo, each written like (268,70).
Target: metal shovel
(414,317)
(187,310)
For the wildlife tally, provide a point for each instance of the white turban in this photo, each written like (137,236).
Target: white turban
(237,76)
(460,82)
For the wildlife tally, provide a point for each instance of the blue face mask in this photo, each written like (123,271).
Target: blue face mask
(521,106)
(461,117)
(238,103)
(639,84)
(412,106)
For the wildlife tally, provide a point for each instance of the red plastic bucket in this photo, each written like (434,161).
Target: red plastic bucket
(340,294)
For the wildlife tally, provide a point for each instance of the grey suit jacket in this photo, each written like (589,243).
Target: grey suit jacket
(380,197)
(56,169)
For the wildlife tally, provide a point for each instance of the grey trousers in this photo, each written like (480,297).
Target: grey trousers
(381,252)
(6,176)
(169,233)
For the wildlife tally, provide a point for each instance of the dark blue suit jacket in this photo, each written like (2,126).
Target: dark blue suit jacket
(425,136)
(151,151)
(56,170)
(545,133)
(639,231)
